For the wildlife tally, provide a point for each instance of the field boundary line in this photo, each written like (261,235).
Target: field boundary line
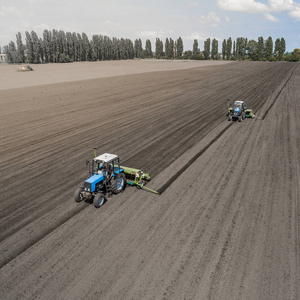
(280,91)
(192,160)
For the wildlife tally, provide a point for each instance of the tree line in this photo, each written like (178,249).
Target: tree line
(60,47)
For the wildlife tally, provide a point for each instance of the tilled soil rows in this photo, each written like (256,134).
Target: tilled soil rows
(226,225)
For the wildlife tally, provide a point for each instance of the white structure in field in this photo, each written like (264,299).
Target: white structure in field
(3,58)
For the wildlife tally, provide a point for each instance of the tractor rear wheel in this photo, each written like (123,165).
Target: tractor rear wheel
(77,195)
(99,199)
(118,183)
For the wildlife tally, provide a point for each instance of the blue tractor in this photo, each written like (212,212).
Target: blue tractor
(239,111)
(107,178)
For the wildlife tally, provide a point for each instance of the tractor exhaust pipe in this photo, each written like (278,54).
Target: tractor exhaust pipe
(95,152)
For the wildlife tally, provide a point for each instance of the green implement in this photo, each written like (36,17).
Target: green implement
(137,177)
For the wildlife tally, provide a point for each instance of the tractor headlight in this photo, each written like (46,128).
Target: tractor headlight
(87,186)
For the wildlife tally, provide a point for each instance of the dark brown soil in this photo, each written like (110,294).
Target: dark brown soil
(227,223)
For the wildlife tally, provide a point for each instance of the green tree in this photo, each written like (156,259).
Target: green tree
(260,48)
(107,48)
(11,53)
(234,50)
(228,48)
(224,46)
(138,48)
(37,48)
(269,48)
(252,50)
(167,47)
(62,41)
(29,47)
(75,46)
(179,47)
(42,54)
(55,46)
(20,49)
(148,49)
(46,44)
(171,48)
(80,50)
(188,54)
(70,46)
(294,56)
(159,48)
(87,49)
(206,51)
(241,44)
(279,49)
(129,49)
(196,49)
(214,49)
(283,47)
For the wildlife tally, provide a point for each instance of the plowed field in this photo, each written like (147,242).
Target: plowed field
(226,225)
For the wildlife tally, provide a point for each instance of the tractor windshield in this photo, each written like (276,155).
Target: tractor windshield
(97,167)
(100,167)
(237,105)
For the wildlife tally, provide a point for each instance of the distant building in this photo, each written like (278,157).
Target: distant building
(2,58)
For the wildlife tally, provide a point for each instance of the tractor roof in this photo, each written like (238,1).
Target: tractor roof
(106,157)
(239,102)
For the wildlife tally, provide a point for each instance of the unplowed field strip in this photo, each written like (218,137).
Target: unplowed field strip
(186,236)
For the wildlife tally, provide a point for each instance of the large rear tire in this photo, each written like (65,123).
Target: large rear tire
(118,183)
(99,200)
(77,195)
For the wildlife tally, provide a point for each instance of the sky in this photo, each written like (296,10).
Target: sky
(134,19)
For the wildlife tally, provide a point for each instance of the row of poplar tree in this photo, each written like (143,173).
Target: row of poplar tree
(60,47)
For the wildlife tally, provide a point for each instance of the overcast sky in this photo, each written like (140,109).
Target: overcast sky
(197,19)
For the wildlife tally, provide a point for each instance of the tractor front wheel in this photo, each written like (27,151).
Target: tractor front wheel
(99,200)
(78,195)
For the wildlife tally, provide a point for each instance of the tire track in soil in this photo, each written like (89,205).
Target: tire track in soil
(43,234)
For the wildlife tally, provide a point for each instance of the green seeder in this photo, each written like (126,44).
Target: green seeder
(137,177)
